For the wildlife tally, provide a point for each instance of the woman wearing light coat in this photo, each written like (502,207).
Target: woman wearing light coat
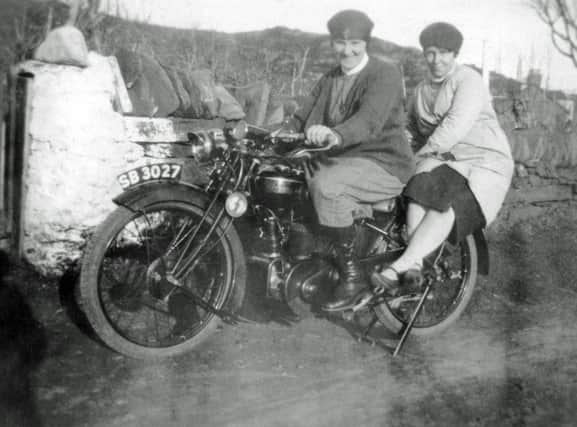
(464,164)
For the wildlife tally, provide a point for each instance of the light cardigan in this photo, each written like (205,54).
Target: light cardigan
(456,116)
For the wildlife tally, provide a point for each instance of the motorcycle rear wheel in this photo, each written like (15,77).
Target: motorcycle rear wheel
(450,294)
(130,307)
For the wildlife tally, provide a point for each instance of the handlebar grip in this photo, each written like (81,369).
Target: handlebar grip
(290,136)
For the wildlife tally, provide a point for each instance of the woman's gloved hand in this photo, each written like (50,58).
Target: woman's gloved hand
(319,135)
(322,135)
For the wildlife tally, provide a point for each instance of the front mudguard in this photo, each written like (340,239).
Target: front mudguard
(482,252)
(136,198)
(139,198)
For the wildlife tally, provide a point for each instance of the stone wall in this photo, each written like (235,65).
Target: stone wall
(80,139)
(77,146)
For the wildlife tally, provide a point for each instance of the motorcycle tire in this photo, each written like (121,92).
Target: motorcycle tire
(448,298)
(134,312)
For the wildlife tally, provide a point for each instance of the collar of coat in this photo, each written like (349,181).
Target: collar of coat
(438,80)
(357,69)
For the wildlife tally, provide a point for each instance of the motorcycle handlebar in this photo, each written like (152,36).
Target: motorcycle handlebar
(296,137)
(205,142)
(288,136)
(309,150)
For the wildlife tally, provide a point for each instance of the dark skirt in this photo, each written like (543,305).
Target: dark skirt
(443,188)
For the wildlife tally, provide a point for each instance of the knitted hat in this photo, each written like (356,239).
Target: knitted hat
(350,25)
(441,35)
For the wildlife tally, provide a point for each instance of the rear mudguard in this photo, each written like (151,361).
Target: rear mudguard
(482,252)
(138,197)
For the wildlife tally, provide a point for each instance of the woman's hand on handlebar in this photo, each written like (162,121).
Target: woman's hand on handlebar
(320,135)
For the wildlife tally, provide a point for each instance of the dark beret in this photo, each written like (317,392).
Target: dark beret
(350,25)
(442,35)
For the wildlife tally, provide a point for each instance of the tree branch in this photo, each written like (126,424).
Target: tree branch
(562,23)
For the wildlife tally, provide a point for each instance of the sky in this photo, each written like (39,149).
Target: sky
(506,30)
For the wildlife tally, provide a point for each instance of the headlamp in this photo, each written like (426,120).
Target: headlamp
(236,204)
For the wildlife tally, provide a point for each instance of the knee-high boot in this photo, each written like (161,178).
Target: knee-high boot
(352,283)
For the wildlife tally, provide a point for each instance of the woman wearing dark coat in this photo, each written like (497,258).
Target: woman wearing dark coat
(357,107)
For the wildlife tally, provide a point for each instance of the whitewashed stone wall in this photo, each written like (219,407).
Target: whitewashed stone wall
(78,145)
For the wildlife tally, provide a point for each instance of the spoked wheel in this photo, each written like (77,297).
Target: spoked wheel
(139,294)
(453,277)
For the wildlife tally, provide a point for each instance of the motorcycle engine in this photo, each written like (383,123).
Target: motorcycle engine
(301,242)
(279,187)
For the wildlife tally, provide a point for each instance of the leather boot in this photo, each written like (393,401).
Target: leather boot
(352,283)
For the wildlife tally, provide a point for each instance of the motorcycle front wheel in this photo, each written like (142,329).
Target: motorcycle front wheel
(453,276)
(128,294)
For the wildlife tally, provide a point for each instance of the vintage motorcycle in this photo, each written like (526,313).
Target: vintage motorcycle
(168,265)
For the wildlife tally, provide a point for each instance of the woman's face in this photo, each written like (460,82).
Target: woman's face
(439,60)
(350,53)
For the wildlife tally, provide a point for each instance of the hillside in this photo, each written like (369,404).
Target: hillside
(289,59)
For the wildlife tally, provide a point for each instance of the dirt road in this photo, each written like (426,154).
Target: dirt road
(509,360)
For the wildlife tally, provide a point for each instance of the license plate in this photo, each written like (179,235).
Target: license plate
(147,173)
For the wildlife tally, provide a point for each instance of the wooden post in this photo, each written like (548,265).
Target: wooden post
(15,155)
(8,154)
(3,216)
(22,150)
(262,105)
(485,72)
(3,130)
